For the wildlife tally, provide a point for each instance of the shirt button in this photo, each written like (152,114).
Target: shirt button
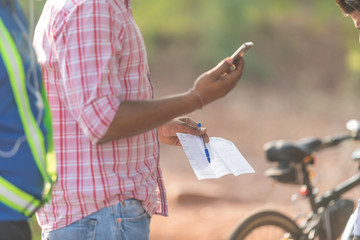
(118,220)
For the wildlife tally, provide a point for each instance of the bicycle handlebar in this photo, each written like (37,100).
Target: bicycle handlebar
(332,141)
(287,151)
(284,151)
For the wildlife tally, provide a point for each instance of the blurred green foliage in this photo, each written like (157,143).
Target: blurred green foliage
(285,32)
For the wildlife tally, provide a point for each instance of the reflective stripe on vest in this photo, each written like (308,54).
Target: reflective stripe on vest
(11,195)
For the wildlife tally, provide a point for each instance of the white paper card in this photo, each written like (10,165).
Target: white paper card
(225,157)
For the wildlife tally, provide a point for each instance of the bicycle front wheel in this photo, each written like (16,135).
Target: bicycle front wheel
(267,225)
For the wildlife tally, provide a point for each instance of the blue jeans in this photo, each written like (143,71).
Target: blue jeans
(126,220)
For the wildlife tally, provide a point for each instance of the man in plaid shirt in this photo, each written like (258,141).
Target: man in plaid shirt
(107,126)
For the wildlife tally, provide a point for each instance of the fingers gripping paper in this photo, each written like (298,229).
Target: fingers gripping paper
(225,157)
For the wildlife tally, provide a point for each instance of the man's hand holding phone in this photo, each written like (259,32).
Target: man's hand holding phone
(220,80)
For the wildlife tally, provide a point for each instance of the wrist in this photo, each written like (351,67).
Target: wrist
(199,99)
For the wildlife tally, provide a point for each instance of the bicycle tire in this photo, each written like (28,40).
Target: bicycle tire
(267,225)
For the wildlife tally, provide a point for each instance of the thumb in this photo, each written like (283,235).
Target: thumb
(223,67)
(197,131)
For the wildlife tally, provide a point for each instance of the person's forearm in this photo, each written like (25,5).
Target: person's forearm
(135,117)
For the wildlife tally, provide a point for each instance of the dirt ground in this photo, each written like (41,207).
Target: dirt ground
(250,117)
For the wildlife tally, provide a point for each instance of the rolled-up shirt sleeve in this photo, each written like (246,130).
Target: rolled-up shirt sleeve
(88,45)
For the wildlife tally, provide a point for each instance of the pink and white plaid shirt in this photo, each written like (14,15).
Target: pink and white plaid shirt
(93,57)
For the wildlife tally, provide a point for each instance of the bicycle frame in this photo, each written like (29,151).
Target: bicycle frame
(329,212)
(322,201)
(339,190)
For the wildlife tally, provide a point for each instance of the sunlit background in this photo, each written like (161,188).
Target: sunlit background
(301,78)
(287,33)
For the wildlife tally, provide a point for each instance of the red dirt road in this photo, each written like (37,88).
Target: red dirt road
(210,209)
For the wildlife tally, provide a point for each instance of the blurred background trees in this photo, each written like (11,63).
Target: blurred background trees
(302,44)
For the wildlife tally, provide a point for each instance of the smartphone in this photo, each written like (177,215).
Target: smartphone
(241,51)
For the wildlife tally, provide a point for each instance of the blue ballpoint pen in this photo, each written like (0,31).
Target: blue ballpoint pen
(206,150)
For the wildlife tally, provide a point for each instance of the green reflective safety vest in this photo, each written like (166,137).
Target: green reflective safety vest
(11,195)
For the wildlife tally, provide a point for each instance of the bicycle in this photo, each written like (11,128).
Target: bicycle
(329,212)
